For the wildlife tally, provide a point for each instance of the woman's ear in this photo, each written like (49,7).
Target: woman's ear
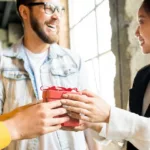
(23,10)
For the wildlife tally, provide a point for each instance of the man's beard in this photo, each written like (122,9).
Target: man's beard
(40,32)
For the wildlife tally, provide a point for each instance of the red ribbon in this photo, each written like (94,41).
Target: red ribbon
(58,88)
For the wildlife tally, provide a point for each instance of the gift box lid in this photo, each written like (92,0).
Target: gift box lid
(57,92)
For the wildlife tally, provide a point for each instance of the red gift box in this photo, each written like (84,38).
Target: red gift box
(55,93)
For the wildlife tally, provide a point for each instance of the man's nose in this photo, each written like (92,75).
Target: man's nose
(56,14)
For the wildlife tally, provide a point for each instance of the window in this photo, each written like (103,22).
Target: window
(90,36)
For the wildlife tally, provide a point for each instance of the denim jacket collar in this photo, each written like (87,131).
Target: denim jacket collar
(17,51)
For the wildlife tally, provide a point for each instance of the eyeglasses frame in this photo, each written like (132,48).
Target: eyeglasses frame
(45,6)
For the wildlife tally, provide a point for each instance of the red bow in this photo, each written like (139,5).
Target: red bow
(58,88)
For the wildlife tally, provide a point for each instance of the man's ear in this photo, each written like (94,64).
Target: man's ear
(24,12)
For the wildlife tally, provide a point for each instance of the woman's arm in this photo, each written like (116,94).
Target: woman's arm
(120,124)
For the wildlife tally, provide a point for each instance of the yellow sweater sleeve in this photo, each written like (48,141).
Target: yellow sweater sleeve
(5,137)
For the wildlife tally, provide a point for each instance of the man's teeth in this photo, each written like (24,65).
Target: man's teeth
(51,26)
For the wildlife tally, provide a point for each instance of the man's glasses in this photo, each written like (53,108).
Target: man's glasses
(49,8)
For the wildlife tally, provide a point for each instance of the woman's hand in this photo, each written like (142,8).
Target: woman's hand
(87,107)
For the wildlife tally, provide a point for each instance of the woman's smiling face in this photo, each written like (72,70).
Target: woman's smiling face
(143,30)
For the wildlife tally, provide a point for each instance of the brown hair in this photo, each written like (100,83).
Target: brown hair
(22,2)
(146,6)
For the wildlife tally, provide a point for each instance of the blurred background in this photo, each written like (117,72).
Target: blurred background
(102,32)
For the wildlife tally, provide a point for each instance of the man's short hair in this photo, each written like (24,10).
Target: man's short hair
(22,2)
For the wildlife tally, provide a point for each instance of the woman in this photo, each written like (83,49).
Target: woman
(122,125)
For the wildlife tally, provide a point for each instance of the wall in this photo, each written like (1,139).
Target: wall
(120,42)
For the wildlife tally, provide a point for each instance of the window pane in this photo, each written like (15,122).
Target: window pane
(104,27)
(107,74)
(99,1)
(91,76)
(83,37)
(78,9)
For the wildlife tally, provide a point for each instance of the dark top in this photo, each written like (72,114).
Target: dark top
(136,95)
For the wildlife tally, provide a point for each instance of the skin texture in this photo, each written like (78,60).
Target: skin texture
(89,108)
(41,121)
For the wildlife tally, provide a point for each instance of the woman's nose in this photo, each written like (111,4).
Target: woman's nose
(137,33)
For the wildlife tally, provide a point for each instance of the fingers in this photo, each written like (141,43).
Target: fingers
(79,116)
(58,121)
(57,112)
(78,110)
(75,104)
(77,97)
(53,124)
(88,93)
(74,115)
(54,104)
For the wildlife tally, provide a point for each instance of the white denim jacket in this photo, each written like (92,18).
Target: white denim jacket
(18,87)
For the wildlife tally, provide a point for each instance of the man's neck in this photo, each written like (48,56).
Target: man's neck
(35,45)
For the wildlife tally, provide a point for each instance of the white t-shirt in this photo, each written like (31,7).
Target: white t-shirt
(36,60)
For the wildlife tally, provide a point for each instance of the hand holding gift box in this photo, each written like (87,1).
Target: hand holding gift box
(55,93)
